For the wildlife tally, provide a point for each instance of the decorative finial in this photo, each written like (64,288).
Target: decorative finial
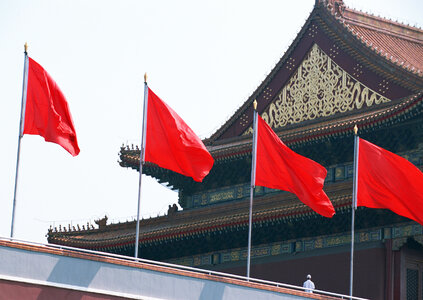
(355,129)
(255,104)
(145,77)
(26,47)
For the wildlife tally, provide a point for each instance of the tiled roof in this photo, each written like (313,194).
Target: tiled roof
(396,42)
(199,221)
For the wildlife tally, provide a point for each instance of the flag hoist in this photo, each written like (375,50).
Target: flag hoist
(168,142)
(44,112)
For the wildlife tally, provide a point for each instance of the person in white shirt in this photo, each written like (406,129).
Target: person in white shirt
(308,285)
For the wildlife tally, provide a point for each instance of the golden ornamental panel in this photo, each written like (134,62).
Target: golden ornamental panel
(319,88)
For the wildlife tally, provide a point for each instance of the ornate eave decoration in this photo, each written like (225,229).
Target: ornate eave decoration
(318,88)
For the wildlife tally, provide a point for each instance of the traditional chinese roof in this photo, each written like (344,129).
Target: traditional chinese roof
(344,68)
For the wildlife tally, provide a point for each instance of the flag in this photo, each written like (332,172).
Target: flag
(386,180)
(171,144)
(278,167)
(46,110)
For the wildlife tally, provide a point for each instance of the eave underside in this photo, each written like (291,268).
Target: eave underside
(396,127)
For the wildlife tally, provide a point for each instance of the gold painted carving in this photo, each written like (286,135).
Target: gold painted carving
(220,196)
(319,88)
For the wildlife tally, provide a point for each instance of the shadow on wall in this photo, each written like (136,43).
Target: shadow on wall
(212,291)
(71,272)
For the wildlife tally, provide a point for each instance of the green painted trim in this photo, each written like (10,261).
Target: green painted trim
(336,173)
(302,245)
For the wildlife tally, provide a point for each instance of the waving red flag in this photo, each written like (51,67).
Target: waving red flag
(46,111)
(171,144)
(279,167)
(386,180)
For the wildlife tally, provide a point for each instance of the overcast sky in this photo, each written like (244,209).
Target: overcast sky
(204,58)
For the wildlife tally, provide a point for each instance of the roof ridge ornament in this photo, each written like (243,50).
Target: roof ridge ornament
(101,222)
(336,7)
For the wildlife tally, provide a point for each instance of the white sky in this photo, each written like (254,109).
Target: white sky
(204,58)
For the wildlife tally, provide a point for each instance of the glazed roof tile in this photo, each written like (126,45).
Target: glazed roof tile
(396,42)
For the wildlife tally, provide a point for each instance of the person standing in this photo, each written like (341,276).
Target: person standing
(308,285)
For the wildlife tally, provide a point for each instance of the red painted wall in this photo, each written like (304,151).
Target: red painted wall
(330,272)
(10,290)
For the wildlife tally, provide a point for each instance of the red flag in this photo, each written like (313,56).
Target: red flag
(171,144)
(279,167)
(46,111)
(386,180)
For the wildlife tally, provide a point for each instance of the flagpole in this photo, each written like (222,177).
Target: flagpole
(142,156)
(253,175)
(21,126)
(354,205)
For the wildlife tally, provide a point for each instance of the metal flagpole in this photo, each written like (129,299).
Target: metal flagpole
(142,156)
(354,205)
(21,127)
(253,176)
